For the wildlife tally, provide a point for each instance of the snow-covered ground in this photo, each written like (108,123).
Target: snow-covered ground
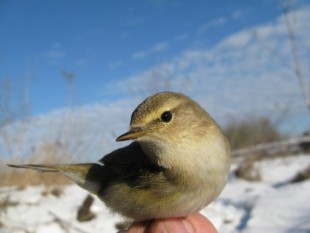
(264,206)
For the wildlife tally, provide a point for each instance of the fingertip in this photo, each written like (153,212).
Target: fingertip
(195,223)
(179,225)
(201,224)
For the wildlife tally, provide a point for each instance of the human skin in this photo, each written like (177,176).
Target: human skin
(195,223)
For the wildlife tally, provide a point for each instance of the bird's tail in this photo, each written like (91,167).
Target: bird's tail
(41,168)
(89,176)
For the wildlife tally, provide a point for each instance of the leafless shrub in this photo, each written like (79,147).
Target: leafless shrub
(245,133)
(302,175)
(67,146)
(247,169)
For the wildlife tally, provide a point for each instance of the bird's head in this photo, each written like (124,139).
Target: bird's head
(167,116)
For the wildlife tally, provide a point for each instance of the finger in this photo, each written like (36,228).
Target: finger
(195,223)
(201,224)
(171,225)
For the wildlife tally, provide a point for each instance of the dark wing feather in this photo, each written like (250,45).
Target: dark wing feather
(130,163)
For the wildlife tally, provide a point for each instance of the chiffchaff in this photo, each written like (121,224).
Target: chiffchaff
(178,163)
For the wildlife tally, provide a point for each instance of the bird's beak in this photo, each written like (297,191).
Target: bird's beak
(132,134)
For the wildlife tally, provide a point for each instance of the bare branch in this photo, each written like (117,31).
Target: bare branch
(294,50)
(296,66)
(271,51)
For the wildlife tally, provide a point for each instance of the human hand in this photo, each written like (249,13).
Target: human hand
(195,223)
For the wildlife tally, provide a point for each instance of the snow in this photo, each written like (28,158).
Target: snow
(270,205)
(285,209)
(286,167)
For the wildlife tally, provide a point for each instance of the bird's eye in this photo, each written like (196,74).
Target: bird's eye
(166,116)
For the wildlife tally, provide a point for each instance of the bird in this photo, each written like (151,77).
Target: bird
(177,163)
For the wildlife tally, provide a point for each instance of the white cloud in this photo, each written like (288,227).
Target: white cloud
(236,78)
(213,23)
(140,54)
(159,47)
(237,40)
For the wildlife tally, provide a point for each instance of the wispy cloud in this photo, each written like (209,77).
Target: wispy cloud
(80,62)
(183,36)
(115,64)
(159,47)
(213,23)
(237,77)
(55,54)
(237,14)
(140,54)
(238,40)
(133,22)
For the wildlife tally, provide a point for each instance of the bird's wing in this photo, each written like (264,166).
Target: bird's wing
(130,162)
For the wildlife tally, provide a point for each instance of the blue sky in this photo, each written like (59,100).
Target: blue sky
(102,41)
(108,45)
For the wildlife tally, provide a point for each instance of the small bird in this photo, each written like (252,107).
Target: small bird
(177,164)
